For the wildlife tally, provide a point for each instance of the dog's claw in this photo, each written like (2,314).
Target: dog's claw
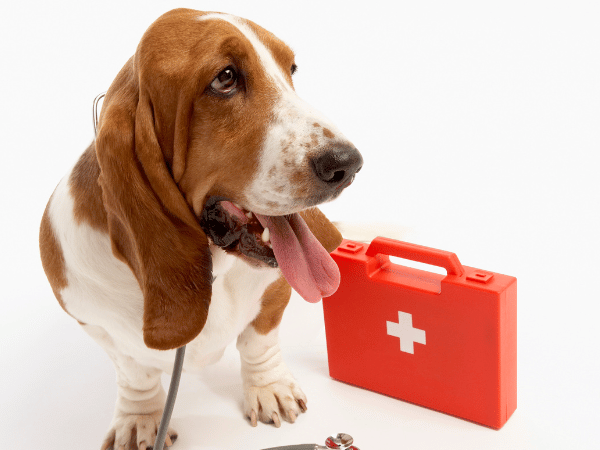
(142,446)
(302,404)
(292,416)
(276,420)
(168,441)
(253,420)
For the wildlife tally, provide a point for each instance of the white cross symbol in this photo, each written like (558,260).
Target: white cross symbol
(405,331)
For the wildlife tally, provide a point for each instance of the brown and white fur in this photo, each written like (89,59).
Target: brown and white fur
(120,238)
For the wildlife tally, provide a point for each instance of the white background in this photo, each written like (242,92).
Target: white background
(479,123)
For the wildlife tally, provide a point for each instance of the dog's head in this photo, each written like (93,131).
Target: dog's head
(202,139)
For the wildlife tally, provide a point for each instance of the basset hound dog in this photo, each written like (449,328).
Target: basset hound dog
(192,215)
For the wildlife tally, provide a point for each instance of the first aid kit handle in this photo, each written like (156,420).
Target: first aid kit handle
(418,253)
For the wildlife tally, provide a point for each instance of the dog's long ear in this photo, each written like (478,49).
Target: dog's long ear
(325,232)
(151,226)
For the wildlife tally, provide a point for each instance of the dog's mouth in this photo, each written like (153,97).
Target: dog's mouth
(277,241)
(237,230)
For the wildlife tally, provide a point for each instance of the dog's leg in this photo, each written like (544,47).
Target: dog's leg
(140,400)
(270,389)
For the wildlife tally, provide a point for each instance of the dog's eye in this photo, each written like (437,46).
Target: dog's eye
(293,69)
(226,81)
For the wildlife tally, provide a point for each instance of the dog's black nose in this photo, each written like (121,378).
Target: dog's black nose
(336,165)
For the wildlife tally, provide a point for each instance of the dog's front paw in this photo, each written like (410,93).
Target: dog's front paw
(136,432)
(267,403)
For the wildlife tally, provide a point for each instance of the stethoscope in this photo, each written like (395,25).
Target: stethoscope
(161,434)
(342,441)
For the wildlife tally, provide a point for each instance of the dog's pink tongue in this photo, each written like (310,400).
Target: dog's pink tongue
(305,264)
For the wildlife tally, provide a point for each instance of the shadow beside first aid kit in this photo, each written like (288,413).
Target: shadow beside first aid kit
(448,343)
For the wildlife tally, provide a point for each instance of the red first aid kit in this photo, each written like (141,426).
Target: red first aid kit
(448,343)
